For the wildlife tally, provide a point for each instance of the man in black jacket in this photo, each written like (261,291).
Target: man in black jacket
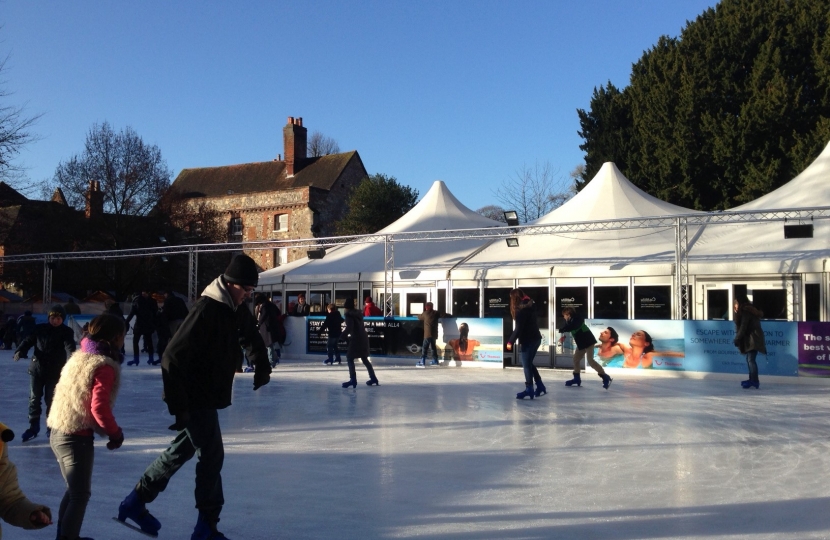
(198,368)
(53,343)
(145,310)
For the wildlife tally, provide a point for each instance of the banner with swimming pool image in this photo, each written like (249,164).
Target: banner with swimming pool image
(639,344)
(471,340)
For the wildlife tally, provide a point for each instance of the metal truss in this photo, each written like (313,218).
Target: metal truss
(388,279)
(679,223)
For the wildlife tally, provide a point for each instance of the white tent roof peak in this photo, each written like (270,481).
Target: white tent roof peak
(440,210)
(610,195)
(808,189)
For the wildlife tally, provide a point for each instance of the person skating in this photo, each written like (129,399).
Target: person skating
(54,343)
(430,319)
(144,309)
(15,508)
(198,369)
(82,406)
(270,326)
(523,310)
(749,337)
(585,341)
(333,325)
(358,345)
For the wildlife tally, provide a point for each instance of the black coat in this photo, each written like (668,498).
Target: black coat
(749,336)
(53,345)
(144,310)
(527,327)
(333,323)
(358,338)
(582,335)
(174,308)
(200,361)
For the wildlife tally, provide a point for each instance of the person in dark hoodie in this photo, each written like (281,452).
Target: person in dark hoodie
(197,371)
(25,326)
(334,326)
(749,337)
(53,343)
(585,342)
(527,332)
(358,344)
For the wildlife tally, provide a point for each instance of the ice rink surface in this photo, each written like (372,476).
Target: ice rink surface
(450,453)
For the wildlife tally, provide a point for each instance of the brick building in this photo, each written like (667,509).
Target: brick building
(290,198)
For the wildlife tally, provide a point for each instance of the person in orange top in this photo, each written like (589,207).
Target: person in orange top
(82,406)
(463,347)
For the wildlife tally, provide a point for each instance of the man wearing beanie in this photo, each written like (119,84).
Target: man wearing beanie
(54,343)
(197,370)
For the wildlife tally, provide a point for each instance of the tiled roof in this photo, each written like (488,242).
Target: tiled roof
(321,172)
(9,195)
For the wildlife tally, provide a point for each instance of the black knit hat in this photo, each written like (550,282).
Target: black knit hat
(242,271)
(57,311)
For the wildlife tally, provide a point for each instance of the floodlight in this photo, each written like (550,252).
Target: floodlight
(316,253)
(511,217)
(798,231)
(512,242)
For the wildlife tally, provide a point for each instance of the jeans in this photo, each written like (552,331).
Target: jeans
(331,348)
(41,386)
(753,367)
(429,342)
(202,438)
(528,352)
(353,373)
(75,455)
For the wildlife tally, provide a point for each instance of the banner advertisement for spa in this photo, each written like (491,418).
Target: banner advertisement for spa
(461,339)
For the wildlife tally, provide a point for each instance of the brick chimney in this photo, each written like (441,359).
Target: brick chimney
(294,137)
(94,200)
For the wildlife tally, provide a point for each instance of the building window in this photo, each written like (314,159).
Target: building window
(195,228)
(280,222)
(236,228)
(280,256)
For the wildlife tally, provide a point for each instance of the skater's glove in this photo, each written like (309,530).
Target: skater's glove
(182,420)
(261,380)
(116,440)
(16,356)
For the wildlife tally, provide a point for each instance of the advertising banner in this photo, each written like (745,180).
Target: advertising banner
(463,339)
(813,349)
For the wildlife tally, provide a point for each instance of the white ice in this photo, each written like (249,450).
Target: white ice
(450,453)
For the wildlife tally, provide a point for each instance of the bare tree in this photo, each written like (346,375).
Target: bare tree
(493,212)
(533,192)
(320,145)
(132,174)
(15,132)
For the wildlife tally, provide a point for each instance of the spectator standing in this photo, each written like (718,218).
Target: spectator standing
(430,319)
(370,309)
(144,310)
(15,508)
(82,407)
(197,372)
(53,343)
(300,309)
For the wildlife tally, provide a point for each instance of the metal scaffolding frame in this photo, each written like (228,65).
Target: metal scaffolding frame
(680,224)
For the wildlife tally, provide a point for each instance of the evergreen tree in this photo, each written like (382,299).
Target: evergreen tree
(735,107)
(375,203)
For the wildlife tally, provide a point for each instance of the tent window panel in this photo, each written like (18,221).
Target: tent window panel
(717,305)
(652,302)
(572,297)
(318,300)
(539,295)
(442,301)
(610,302)
(773,302)
(812,302)
(465,303)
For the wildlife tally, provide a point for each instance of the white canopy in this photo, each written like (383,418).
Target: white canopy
(608,196)
(439,210)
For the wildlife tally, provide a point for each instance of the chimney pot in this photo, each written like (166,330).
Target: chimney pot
(290,120)
(300,121)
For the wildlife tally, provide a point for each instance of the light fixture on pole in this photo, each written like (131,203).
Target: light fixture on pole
(511,218)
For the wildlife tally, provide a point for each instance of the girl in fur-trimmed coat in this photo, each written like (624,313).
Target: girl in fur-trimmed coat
(82,406)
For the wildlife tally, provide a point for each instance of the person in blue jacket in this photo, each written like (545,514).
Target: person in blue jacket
(585,342)
(527,332)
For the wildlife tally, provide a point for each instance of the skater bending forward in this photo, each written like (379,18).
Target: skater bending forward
(198,368)
(585,342)
(82,406)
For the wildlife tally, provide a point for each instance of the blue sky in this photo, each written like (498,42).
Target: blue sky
(467,92)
